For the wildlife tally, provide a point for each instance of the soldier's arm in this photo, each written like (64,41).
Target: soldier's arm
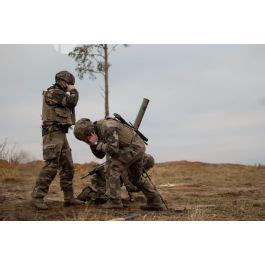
(72,99)
(57,97)
(98,153)
(110,143)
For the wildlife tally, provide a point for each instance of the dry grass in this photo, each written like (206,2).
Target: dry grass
(193,191)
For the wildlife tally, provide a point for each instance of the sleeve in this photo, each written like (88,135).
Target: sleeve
(110,143)
(57,97)
(98,153)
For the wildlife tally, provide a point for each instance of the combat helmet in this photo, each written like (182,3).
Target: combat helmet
(66,76)
(148,162)
(83,128)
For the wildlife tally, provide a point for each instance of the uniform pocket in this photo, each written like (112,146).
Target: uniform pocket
(62,112)
(127,155)
(49,151)
(66,159)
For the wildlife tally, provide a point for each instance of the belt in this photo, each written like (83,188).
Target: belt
(46,129)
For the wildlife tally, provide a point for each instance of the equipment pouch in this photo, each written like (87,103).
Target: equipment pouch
(62,112)
(129,156)
(126,135)
(49,151)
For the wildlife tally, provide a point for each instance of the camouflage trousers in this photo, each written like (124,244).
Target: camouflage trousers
(57,156)
(119,171)
(136,181)
(130,158)
(98,180)
(129,166)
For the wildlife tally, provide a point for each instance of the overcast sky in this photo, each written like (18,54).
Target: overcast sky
(207,102)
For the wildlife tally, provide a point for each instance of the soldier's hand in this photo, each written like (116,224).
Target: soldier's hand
(70,87)
(92,139)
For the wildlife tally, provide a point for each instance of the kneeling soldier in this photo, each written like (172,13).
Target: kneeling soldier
(96,192)
(126,152)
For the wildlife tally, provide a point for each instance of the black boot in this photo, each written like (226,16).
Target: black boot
(39,203)
(154,205)
(37,200)
(154,200)
(113,204)
(92,195)
(69,199)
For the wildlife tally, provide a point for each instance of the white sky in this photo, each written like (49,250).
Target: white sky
(206,101)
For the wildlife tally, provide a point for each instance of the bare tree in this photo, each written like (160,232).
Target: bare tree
(4,150)
(18,156)
(12,154)
(93,59)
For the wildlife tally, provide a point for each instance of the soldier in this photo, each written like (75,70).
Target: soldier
(58,114)
(97,191)
(126,150)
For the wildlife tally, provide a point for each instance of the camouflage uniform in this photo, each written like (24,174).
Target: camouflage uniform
(126,150)
(98,181)
(57,116)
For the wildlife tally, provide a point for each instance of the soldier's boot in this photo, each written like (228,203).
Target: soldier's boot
(87,194)
(37,200)
(69,199)
(154,201)
(39,203)
(90,194)
(101,198)
(154,205)
(113,204)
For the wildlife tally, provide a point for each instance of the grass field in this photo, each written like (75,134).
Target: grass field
(192,190)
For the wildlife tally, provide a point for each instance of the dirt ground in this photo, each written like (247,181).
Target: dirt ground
(192,190)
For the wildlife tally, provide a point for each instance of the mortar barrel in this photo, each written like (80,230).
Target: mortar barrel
(140,114)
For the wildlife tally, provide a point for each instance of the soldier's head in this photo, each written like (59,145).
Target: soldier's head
(84,129)
(64,78)
(148,162)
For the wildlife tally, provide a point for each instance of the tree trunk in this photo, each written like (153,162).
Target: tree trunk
(106,79)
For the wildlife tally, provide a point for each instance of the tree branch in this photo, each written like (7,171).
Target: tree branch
(112,48)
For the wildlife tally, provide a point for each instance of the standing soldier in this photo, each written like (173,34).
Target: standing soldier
(126,150)
(58,114)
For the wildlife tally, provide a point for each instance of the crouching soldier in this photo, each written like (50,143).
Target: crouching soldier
(57,115)
(96,192)
(126,152)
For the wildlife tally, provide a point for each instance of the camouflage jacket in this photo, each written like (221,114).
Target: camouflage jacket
(56,96)
(114,137)
(108,139)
